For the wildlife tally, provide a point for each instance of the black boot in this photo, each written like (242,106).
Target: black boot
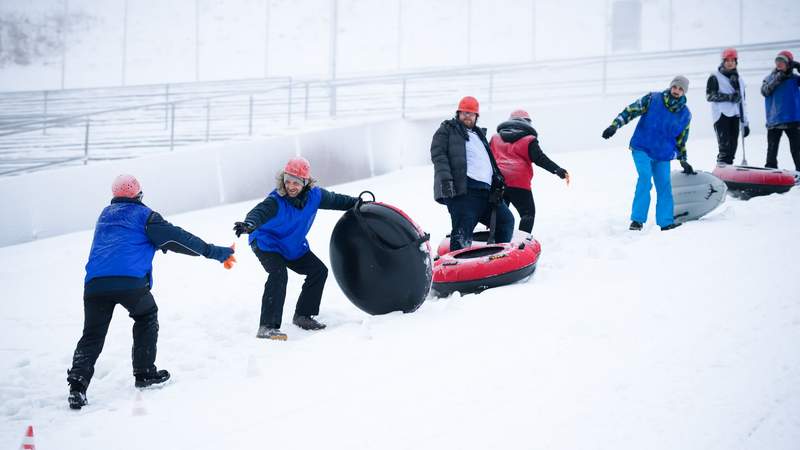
(150,377)
(635,226)
(77,391)
(671,226)
(307,322)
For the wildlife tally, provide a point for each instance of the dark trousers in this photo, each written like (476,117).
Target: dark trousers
(473,207)
(522,199)
(275,288)
(727,129)
(774,139)
(98,308)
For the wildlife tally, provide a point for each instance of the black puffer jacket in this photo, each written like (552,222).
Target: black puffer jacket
(449,157)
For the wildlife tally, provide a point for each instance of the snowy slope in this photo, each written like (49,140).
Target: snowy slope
(620,340)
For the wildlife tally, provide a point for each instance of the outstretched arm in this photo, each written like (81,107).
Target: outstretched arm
(632,111)
(168,237)
(538,157)
(332,200)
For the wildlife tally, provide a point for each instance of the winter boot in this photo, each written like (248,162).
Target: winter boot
(77,391)
(307,322)
(671,226)
(265,332)
(150,377)
(635,226)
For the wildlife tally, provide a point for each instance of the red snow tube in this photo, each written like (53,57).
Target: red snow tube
(746,181)
(484,266)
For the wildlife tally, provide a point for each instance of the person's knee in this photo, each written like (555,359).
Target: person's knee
(279,275)
(526,223)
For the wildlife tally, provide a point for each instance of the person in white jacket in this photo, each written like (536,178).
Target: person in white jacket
(726,91)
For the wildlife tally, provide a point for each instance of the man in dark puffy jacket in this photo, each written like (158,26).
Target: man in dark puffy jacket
(660,137)
(278,227)
(781,90)
(726,91)
(515,147)
(467,179)
(119,271)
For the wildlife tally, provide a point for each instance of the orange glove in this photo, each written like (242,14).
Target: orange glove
(228,264)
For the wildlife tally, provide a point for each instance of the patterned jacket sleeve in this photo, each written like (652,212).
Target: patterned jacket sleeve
(632,111)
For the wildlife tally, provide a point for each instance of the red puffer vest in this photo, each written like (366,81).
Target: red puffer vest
(513,160)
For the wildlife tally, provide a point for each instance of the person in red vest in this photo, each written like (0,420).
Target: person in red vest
(516,147)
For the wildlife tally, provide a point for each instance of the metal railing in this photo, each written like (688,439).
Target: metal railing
(49,128)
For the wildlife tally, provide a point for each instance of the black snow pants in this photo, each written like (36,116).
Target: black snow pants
(275,288)
(522,199)
(773,141)
(98,308)
(727,130)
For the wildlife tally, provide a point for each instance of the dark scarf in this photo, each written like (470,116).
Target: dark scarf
(732,75)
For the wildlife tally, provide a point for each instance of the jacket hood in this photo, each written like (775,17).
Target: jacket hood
(513,130)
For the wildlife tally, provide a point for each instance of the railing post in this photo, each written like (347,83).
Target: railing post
(166,106)
(305,112)
(44,120)
(605,75)
(332,99)
(86,143)
(491,89)
(208,117)
(250,118)
(172,129)
(403,103)
(289,111)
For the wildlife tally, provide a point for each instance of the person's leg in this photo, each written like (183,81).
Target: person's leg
(504,223)
(522,199)
(665,214)
(773,141)
(144,312)
(464,212)
(794,146)
(97,313)
(316,273)
(641,198)
(727,130)
(274,289)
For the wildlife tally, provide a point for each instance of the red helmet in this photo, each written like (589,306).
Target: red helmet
(730,53)
(520,114)
(785,55)
(468,104)
(298,167)
(125,186)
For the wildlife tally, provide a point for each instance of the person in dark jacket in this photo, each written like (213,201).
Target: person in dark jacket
(467,179)
(726,91)
(515,147)
(660,136)
(278,227)
(781,90)
(119,271)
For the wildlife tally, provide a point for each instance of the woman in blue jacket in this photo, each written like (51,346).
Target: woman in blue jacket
(781,90)
(660,137)
(120,271)
(278,227)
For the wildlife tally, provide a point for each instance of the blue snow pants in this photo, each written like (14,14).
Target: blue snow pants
(659,172)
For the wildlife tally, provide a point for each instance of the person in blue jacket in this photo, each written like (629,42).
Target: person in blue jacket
(781,90)
(119,271)
(660,137)
(278,227)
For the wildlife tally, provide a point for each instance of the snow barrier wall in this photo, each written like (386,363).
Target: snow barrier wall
(53,202)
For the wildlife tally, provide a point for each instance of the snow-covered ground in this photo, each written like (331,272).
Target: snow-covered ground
(621,340)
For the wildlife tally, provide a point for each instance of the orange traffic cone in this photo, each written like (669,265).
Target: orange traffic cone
(27,441)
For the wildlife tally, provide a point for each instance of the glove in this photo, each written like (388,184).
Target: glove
(243,227)
(221,254)
(687,169)
(735,97)
(608,132)
(448,189)
(228,263)
(746,131)
(496,195)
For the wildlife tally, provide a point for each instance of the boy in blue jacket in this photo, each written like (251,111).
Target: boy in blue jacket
(119,271)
